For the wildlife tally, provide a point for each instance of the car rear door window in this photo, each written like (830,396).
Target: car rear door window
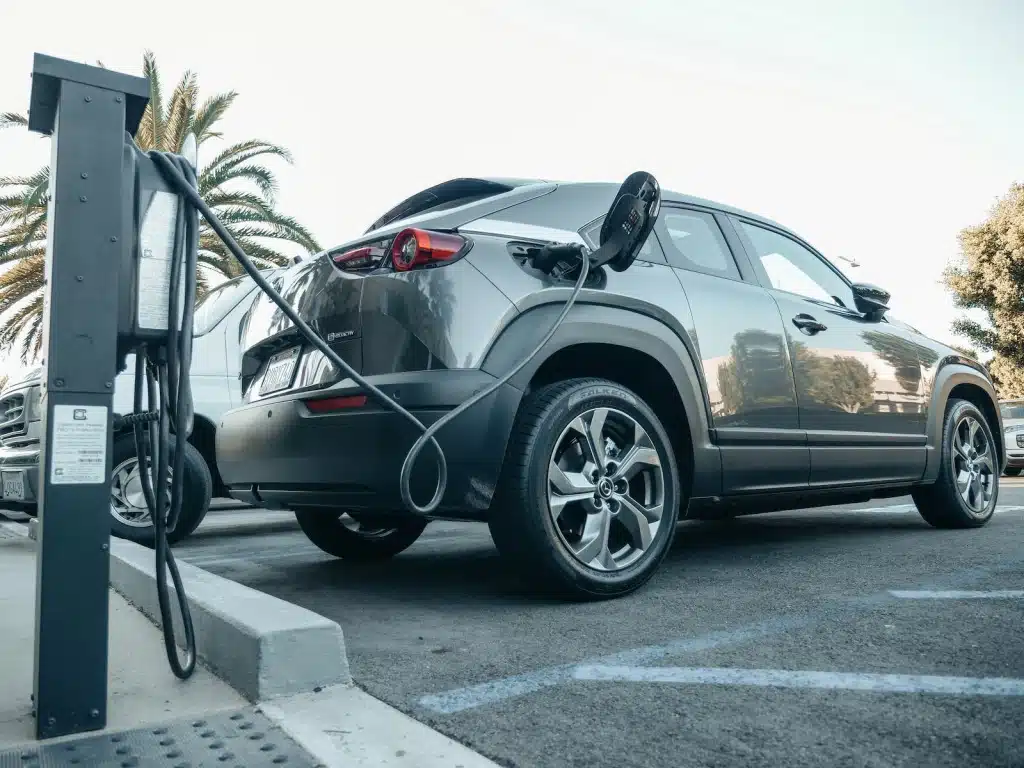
(650,251)
(694,241)
(793,268)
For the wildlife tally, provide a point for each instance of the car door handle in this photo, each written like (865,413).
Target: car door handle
(808,324)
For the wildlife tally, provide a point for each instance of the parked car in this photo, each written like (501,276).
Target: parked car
(732,369)
(1012,412)
(215,389)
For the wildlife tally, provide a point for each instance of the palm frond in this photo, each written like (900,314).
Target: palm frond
(180,112)
(245,147)
(211,111)
(17,321)
(12,119)
(150,131)
(26,253)
(225,202)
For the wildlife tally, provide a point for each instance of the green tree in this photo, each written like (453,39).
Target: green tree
(989,276)
(3,381)
(236,183)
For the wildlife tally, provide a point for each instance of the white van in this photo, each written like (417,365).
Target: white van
(215,389)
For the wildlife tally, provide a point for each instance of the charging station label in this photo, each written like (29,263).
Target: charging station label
(156,243)
(79,445)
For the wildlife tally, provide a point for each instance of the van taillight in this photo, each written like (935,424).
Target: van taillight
(414,248)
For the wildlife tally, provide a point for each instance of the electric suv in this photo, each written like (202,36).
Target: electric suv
(732,369)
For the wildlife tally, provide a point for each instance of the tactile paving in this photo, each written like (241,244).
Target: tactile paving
(240,738)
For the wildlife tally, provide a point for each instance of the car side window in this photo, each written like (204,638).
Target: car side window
(794,269)
(649,252)
(694,241)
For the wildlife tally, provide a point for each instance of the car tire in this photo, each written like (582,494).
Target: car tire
(549,539)
(343,535)
(195,500)
(969,459)
(1011,471)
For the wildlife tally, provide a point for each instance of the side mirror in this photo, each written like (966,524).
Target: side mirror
(630,220)
(870,299)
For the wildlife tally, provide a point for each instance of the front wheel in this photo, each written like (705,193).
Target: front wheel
(130,516)
(1011,471)
(589,495)
(359,536)
(965,492)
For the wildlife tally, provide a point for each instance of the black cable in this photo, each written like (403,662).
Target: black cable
(166,369)
(174,176)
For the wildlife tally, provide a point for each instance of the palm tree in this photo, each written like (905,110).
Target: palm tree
(235,184)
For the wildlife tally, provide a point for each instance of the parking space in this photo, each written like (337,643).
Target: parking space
(845,635)
(852,635)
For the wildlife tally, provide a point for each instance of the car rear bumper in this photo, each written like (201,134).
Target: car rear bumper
(278,453)
(25,462)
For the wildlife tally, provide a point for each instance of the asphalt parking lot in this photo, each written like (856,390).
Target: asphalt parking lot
(839,636)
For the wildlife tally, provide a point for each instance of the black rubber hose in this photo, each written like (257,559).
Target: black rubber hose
(179,181)
(166,371)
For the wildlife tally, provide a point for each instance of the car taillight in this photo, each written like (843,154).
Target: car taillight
(328,404)
(361,259)
(419,248)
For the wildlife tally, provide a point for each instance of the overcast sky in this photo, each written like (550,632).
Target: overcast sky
(877,129)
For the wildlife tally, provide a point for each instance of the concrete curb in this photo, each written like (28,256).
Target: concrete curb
(260,645)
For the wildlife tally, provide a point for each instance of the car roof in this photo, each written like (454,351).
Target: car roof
(671,196)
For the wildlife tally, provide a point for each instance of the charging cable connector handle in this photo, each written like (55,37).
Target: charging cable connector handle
(555,254)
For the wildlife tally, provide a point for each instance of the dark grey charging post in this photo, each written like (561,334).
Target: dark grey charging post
(86,110)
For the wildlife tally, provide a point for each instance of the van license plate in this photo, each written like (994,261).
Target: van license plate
(280,371)
(14,486)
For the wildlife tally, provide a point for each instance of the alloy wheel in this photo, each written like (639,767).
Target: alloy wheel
(973,465)
(127,500)
(606,489)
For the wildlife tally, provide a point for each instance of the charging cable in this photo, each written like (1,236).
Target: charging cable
(173,174)
(167,419)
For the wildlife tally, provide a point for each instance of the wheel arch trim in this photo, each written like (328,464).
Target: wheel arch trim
(617,327)
(951,375)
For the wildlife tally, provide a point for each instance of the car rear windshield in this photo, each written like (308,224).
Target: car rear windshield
(1012,410)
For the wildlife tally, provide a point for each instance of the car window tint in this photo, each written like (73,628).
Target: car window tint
(695,242)
(793,268)
(649,252)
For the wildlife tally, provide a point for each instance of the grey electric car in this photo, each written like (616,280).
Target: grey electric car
(732,369)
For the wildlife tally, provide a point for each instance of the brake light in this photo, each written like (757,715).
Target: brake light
(328,404)
(362,258)
(420,248)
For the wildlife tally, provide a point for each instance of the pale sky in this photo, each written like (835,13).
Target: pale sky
(877,129)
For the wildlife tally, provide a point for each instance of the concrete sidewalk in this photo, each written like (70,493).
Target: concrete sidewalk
(271,651)
(142,688)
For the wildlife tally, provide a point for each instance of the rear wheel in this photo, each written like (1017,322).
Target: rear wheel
(965,493)
(589,495)
(359,536)
(1011,471)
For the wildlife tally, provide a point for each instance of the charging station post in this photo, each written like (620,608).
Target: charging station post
(86,110)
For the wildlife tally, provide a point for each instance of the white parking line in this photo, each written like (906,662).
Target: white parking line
(957,594)
(784,678)
(494,691)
